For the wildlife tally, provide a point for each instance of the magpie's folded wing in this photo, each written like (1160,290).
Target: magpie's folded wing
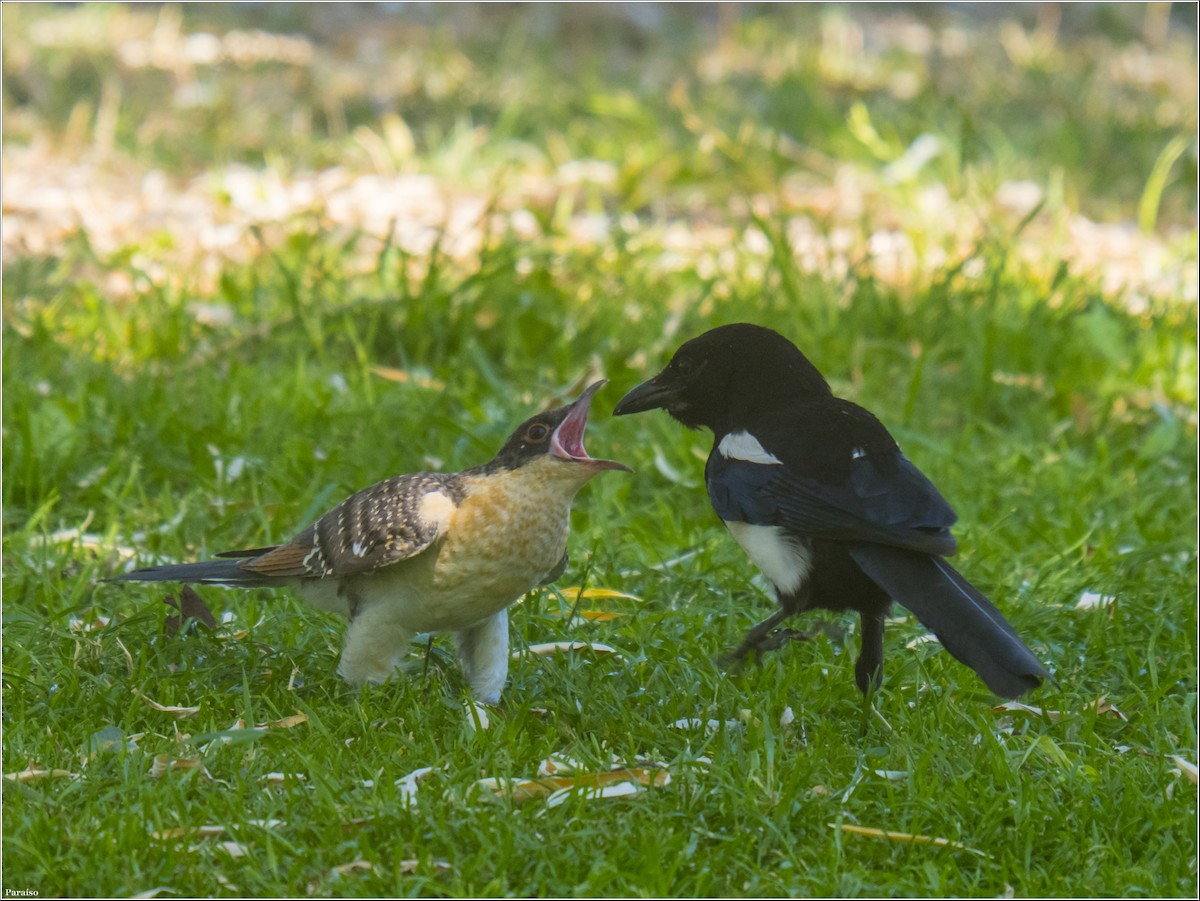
(885,500)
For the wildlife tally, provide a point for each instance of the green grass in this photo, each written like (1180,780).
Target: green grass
(1058,418)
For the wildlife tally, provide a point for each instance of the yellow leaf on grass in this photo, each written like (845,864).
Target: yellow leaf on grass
(577,593)
(595,616)
(908,837)
(404,377)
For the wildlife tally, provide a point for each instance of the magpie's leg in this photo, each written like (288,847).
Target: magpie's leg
(757,637)
(868,670)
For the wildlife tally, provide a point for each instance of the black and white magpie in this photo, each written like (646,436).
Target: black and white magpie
(822,500)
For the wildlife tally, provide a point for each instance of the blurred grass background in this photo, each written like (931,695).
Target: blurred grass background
(258,256)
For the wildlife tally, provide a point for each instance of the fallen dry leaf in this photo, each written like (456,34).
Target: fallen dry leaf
(1017,707)
(180,712)
(33,773)
(287,722)
(411,865)
(904,837)
(404,377)
(233,849)
(1185,766)
(354,865)
(281,778)
(165,763)
(1102,707)
(524,789)
(563,647)
(209,830)
(559,766)
(190,606)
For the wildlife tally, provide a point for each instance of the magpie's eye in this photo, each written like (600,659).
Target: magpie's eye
(537,432)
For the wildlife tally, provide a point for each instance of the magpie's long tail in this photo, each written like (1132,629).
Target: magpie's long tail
(968,625)
(219,572)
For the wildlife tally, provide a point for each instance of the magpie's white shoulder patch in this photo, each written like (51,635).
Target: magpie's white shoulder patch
(744,446)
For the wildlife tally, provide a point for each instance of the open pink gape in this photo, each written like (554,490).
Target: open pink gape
(567,441)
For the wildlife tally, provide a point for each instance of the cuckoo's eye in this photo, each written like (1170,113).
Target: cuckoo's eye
(537,432)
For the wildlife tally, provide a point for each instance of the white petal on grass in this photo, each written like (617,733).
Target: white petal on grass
(891,775)
(547,648)
(281,778)
(408,784)
(1091,600)
(1185,766)
(927,638)
(615,790)
(696,722)
(477,716)
(787,717)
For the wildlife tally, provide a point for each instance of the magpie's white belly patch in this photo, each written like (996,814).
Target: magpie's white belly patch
(784,559)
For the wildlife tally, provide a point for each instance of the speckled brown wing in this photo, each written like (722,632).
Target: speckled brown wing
(378,526)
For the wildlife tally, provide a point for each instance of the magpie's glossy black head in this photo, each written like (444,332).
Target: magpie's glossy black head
(556,433)
(727,373)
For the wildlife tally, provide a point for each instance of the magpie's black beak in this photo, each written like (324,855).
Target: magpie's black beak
(657,393)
